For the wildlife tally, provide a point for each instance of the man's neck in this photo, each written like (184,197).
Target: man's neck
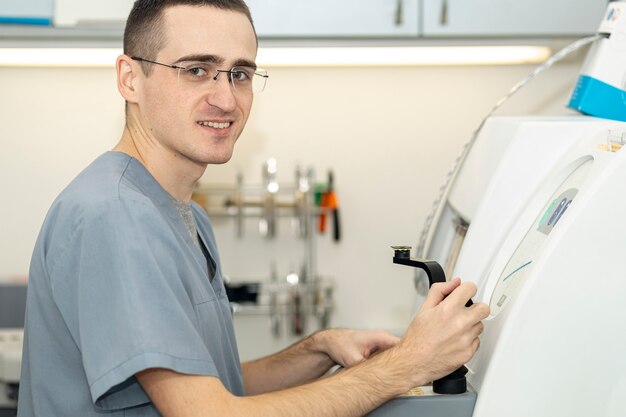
(176,175)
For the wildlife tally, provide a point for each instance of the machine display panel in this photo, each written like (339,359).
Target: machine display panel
(531,246)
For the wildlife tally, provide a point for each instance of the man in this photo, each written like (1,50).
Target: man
(127,314)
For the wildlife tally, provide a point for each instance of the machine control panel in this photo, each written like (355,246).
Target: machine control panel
(531,246)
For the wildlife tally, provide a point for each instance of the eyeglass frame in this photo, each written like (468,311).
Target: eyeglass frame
(230,72)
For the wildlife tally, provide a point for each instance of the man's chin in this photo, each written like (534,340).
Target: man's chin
(217,155)
(219,159)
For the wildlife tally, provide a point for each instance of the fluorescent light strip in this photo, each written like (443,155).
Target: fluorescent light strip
(58,57)
(410,56)
(303,56)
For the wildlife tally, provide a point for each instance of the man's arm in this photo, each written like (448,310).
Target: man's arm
(312,357)
(442,336)
(352,392)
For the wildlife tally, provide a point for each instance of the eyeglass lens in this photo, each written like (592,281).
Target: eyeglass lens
(242,79)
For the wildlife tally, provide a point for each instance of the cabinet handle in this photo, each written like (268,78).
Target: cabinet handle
(399,13)
(443,17)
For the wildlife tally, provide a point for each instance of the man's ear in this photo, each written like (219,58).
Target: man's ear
(127,77)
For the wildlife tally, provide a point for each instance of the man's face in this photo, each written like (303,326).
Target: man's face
(198,122)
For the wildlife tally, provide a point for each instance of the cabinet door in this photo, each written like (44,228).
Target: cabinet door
(91,12)
(512,17)
(332,18)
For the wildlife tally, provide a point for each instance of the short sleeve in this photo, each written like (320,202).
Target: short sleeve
(122,290)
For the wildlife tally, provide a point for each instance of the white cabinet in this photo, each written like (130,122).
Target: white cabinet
(69,13)
(511,17)
(26,12)
(332,18)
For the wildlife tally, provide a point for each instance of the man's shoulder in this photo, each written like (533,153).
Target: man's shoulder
(100,180)
(111,176)
(101,189)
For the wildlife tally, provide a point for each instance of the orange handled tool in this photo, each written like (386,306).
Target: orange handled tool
(330,202)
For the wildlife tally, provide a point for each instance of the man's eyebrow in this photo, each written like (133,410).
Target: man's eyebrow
(214,59)
(245,63)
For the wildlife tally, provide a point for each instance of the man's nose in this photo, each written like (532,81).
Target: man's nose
(222,94)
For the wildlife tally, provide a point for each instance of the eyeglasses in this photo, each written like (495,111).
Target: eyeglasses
(197,74)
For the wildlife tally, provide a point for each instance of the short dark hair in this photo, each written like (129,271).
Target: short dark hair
(144,35)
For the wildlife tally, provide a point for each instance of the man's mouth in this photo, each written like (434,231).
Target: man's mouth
(215,125)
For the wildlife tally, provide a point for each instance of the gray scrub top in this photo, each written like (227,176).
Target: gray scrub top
(117,286)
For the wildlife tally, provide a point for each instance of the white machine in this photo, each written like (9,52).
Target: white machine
(534,218)
(544,246)
(545,249)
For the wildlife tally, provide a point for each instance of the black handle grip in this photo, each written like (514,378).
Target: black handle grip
(336,226)
(454,383)
(433,270)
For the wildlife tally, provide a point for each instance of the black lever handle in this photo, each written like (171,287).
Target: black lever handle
(402,256)
(454,383)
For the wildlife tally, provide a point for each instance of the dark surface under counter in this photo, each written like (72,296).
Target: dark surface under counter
(460,405)
(8,412)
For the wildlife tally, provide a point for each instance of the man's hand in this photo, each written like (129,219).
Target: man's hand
(312,357)
(347,347)
(444,334)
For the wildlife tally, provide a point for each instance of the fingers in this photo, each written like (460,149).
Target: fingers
(477,329)
(473,339)
(475,346)
(455,293)
(350,347)
(480,310)
(382,341)
(388,340)
(462,293)
(439,291)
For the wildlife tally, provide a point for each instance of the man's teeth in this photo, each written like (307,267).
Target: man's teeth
(215,125)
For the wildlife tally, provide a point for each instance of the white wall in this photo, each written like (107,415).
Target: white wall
(389,134)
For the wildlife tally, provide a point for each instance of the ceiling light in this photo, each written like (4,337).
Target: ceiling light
(59,57)
(303,56)
(408,55)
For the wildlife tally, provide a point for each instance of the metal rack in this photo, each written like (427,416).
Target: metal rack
(300,295)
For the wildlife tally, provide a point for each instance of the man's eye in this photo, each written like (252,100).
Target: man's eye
(239,75)
(197,71)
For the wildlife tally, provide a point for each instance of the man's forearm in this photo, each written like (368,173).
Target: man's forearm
(350,393)
(295,365)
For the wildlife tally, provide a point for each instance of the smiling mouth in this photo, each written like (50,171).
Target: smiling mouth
(215,125)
